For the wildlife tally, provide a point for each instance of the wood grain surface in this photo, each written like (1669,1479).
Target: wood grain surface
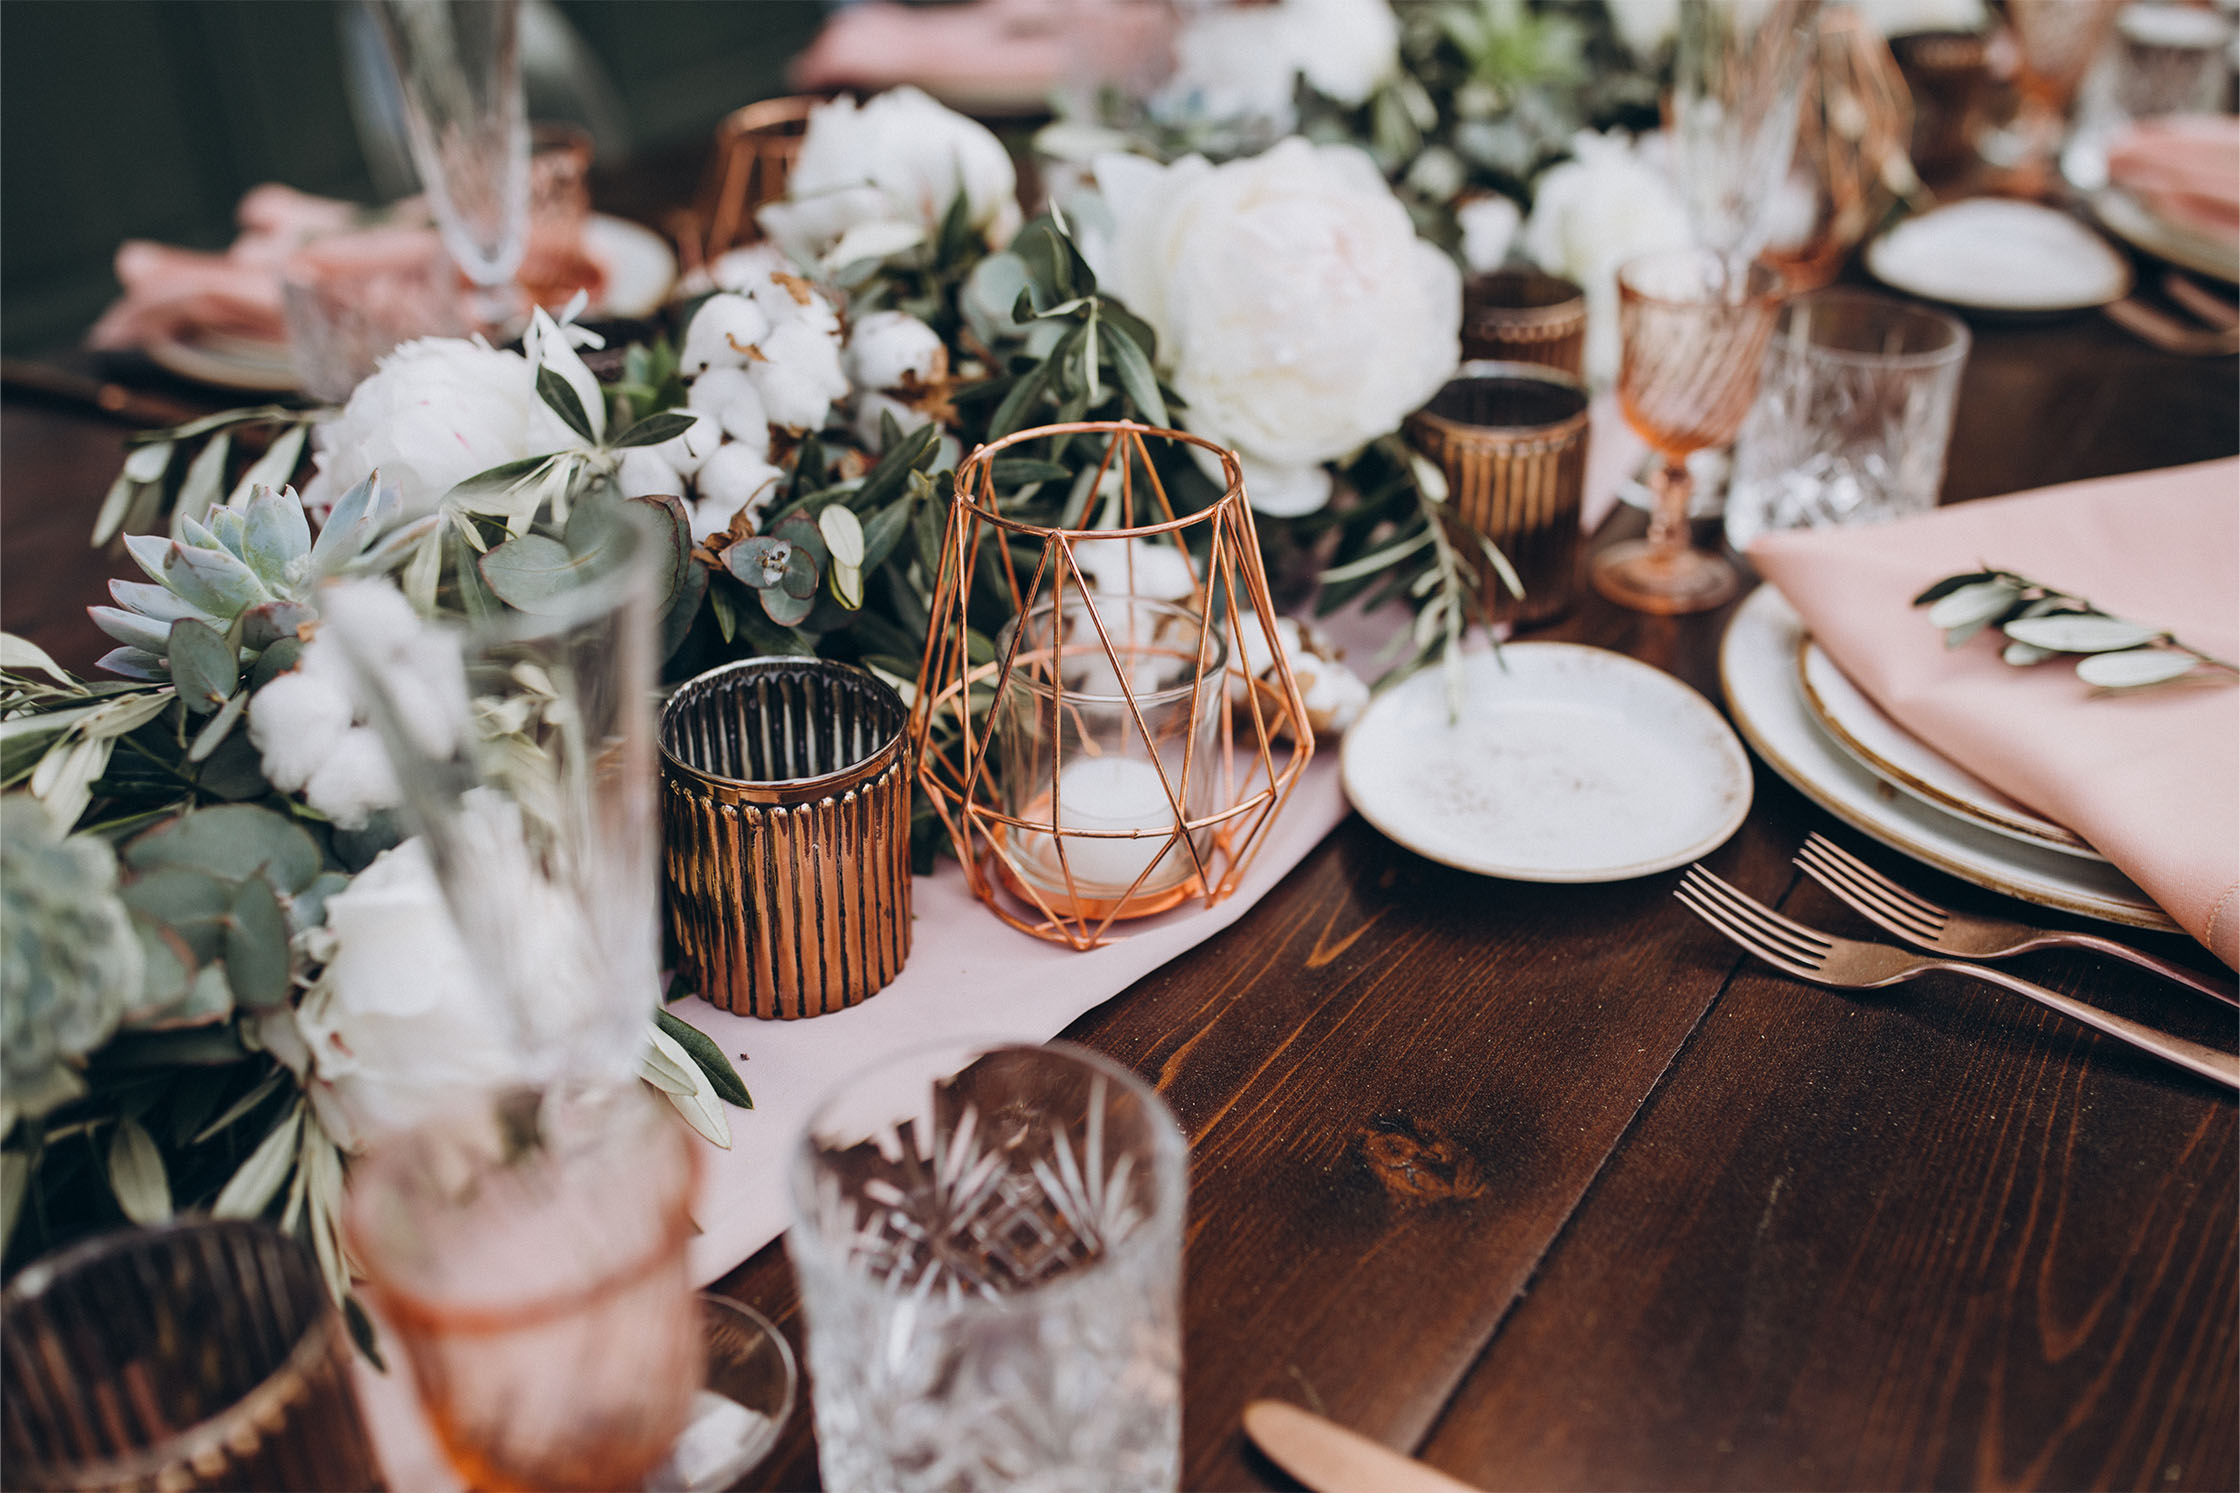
(1549,1186)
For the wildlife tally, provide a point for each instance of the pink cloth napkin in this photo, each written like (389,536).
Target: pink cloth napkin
(2185,168)
(2152,779)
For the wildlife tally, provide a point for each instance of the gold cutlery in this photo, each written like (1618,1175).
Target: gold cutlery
(1939,930)
(1331,1459)
(1846,964)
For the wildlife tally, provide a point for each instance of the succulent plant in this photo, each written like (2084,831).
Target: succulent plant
(247,573)
(70,963)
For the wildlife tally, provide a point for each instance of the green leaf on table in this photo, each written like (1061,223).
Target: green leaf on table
(136,1174)
(560,395)
(233,841)
(2081,633)
(653,430)
(1136,378)
(704,1052)
(2134,668)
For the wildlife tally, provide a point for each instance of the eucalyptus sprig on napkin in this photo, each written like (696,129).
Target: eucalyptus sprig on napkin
(2040,622)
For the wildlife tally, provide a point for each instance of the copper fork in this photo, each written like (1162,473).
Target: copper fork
(1845,964)
(1922,923)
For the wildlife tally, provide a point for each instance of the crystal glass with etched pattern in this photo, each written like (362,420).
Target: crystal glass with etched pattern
(993,1280)
(1853,416)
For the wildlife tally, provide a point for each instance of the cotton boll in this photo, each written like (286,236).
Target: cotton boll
(801,377)
(735,477)
(644,474)
(895,350)
(685,452)
(1489,225)
(871,405)
(294,723)
(354,780)
(722,331)
(729,395)
(1143,566)
(741,270)
(789,299)
(1334,695)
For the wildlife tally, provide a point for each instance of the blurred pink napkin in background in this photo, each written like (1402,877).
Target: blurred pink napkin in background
(2184,168)
(2152,777)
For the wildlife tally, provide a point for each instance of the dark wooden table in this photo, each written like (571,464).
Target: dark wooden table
(1549,1186)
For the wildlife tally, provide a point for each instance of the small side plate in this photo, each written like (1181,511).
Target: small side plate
(2002,257)
(1567,764)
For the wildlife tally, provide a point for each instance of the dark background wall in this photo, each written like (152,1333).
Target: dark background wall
(149,119)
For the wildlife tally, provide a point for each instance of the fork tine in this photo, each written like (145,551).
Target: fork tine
(1740,912)
(1862,896)
(1842,857)
(1748,939)
(1813,939)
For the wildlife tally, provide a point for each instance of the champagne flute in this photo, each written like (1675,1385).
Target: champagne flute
(458,66)
(1694,325)
(1738,78)
(2055,41)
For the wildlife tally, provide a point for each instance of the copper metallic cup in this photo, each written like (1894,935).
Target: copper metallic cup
(1525,316)
(1512,441)
(785,812)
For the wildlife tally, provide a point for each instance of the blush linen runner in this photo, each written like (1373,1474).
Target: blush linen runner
(2151,777)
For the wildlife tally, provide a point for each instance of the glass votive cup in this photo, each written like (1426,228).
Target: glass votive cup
(529,1257)
(1511,439)
(1108,732)
(350,298)
(1853,415)
(203,1354)
(992,1282)
(2171,59)
(1525,316)
(785,815)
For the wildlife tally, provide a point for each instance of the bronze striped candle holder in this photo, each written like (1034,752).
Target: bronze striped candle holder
(1525,316)
(1512,441)
(785,813)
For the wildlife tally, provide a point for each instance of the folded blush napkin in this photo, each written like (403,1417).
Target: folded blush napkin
(2186,169)
(2152,777)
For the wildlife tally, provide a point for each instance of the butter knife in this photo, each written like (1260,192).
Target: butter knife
(1331,1459)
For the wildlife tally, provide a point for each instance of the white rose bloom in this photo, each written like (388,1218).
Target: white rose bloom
(799,376)
(735,477)
(1297,313)
(729,395)
(723,334)
(1489,225)
(643,474)
(896,162)
(1592,214)
(895,350)
(1347,48)
(436,412)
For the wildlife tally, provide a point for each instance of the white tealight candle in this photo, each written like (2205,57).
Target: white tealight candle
(1117,793)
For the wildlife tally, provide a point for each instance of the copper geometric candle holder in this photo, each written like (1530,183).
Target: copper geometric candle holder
(1125,744)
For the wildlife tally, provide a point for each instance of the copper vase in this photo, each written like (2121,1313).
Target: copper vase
(1511,439)
(785,812)
(1525,316)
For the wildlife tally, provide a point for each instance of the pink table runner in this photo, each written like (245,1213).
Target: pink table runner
(2150,778)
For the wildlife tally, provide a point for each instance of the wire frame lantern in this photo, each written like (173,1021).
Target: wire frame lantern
(1137,727)
(755,149)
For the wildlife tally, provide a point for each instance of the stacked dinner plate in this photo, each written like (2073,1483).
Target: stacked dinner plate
(1813,726)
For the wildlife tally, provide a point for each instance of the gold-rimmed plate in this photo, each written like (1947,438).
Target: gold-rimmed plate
(1910,765)
(1758,670)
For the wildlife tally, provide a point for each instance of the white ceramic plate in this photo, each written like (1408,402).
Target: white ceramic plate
(2124,216)
(1911,765)
(1568,764)
(1758,667)
(638,263)
(1992,254)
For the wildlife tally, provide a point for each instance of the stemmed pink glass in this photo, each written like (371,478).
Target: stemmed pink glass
(1694,326)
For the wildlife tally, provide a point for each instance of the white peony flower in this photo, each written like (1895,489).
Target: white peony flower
(436,412)
(1297,313)
(735,477)
(1592,214)
(1346,48)
(895,350)
(1489,225)
(876,178)
(1234,66)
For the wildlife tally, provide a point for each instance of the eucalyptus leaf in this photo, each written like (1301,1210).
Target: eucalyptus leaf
(786,609)
(234,841)
(167,964)
(2134,668)
(2080,633)
(203,665)
(136,1174)
(531,572)
(802,533)
(259,965)
(759,562)
(188,901)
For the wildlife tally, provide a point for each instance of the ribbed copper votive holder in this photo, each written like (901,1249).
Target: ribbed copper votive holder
(785,812)
(1525,316)
(1511,439)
